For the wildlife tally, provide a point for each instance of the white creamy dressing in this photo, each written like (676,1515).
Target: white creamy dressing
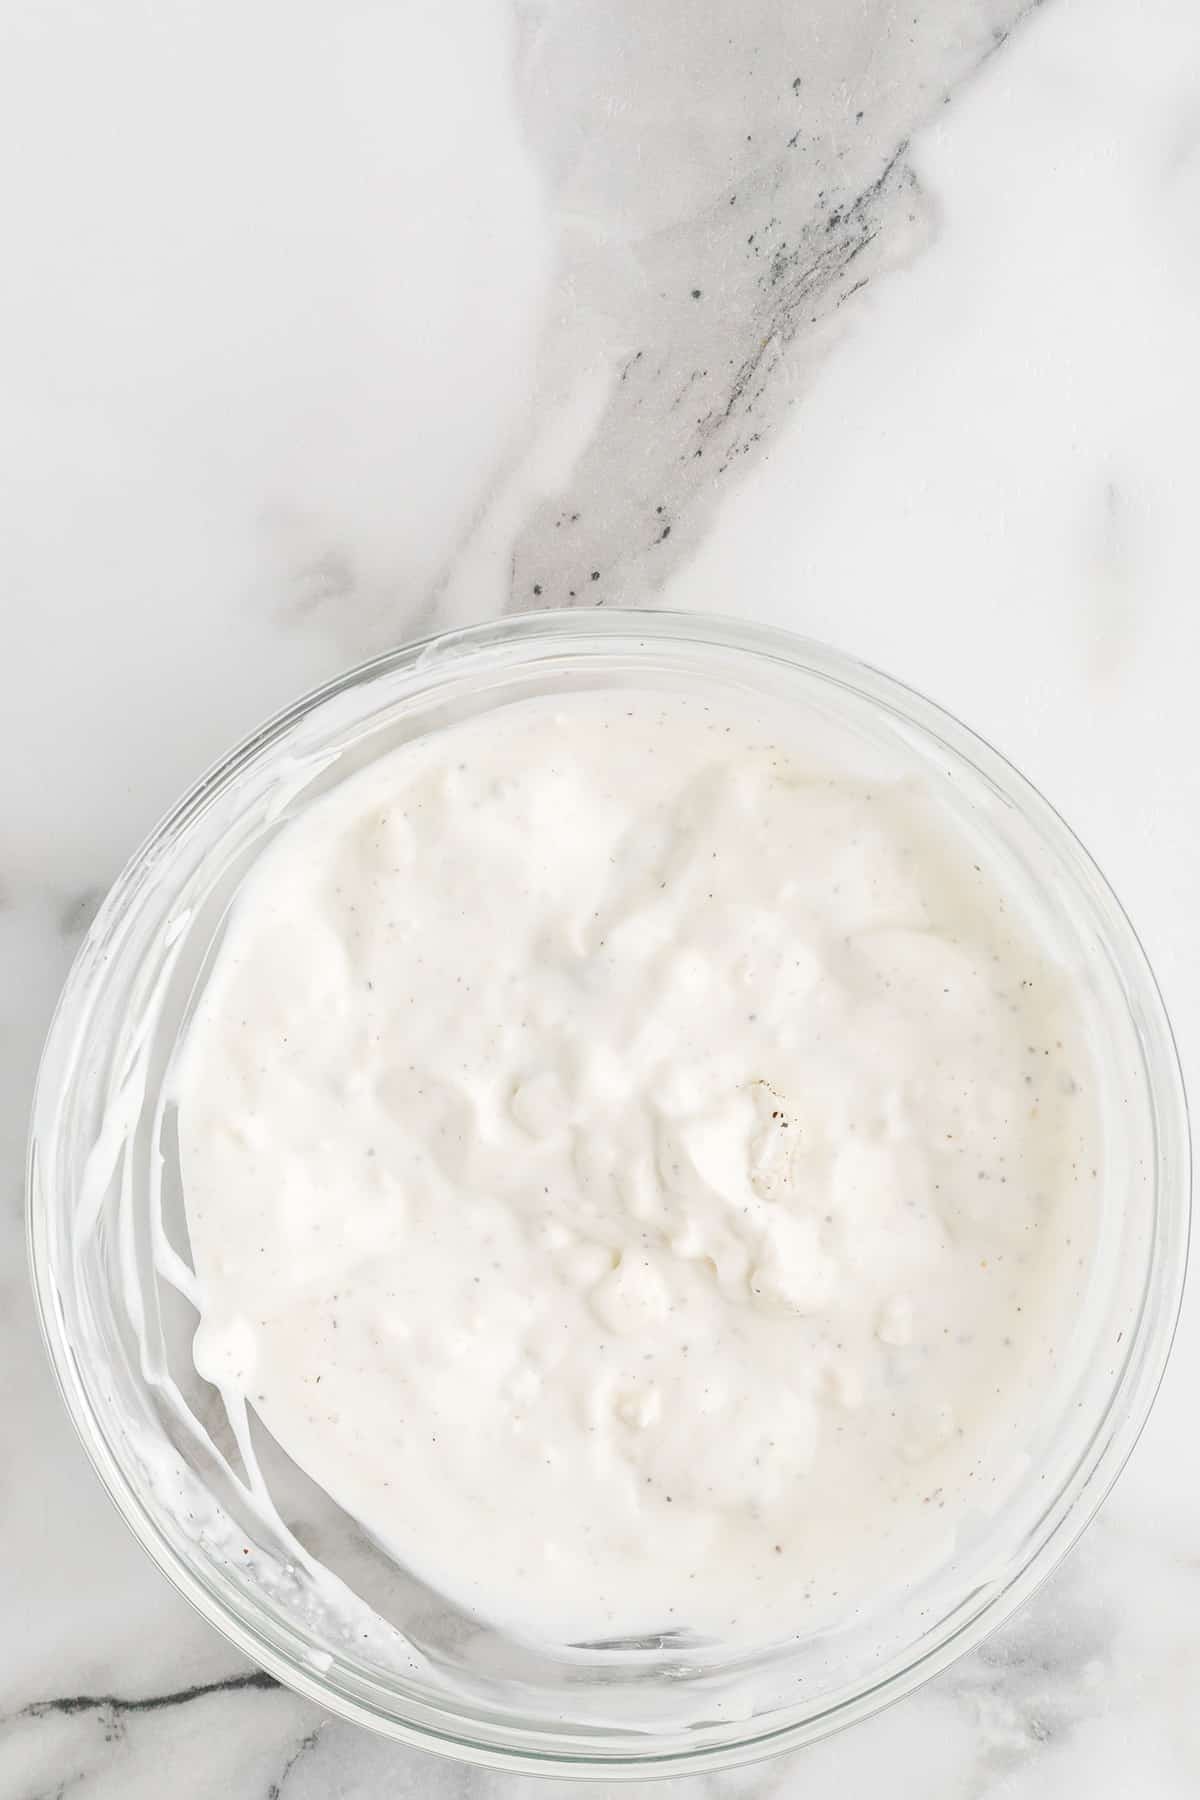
(644,1179)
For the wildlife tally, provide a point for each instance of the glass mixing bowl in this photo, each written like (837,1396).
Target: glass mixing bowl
(290,1579)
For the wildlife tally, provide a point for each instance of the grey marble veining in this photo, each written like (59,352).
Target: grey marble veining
(1006,1712)
(728,179)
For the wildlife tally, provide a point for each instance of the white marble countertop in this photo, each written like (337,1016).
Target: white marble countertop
(322,323)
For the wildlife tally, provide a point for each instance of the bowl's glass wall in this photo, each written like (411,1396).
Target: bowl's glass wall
(110,1253)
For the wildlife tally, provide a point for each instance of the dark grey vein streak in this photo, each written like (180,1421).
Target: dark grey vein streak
(69,1704)
(308,1742)
(724,276)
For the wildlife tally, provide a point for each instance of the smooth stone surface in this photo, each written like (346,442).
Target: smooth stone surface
(323,324)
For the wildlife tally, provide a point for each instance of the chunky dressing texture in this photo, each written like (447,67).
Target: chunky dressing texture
(643,1177)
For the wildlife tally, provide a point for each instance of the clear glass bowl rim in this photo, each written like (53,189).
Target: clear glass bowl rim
(576,632)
